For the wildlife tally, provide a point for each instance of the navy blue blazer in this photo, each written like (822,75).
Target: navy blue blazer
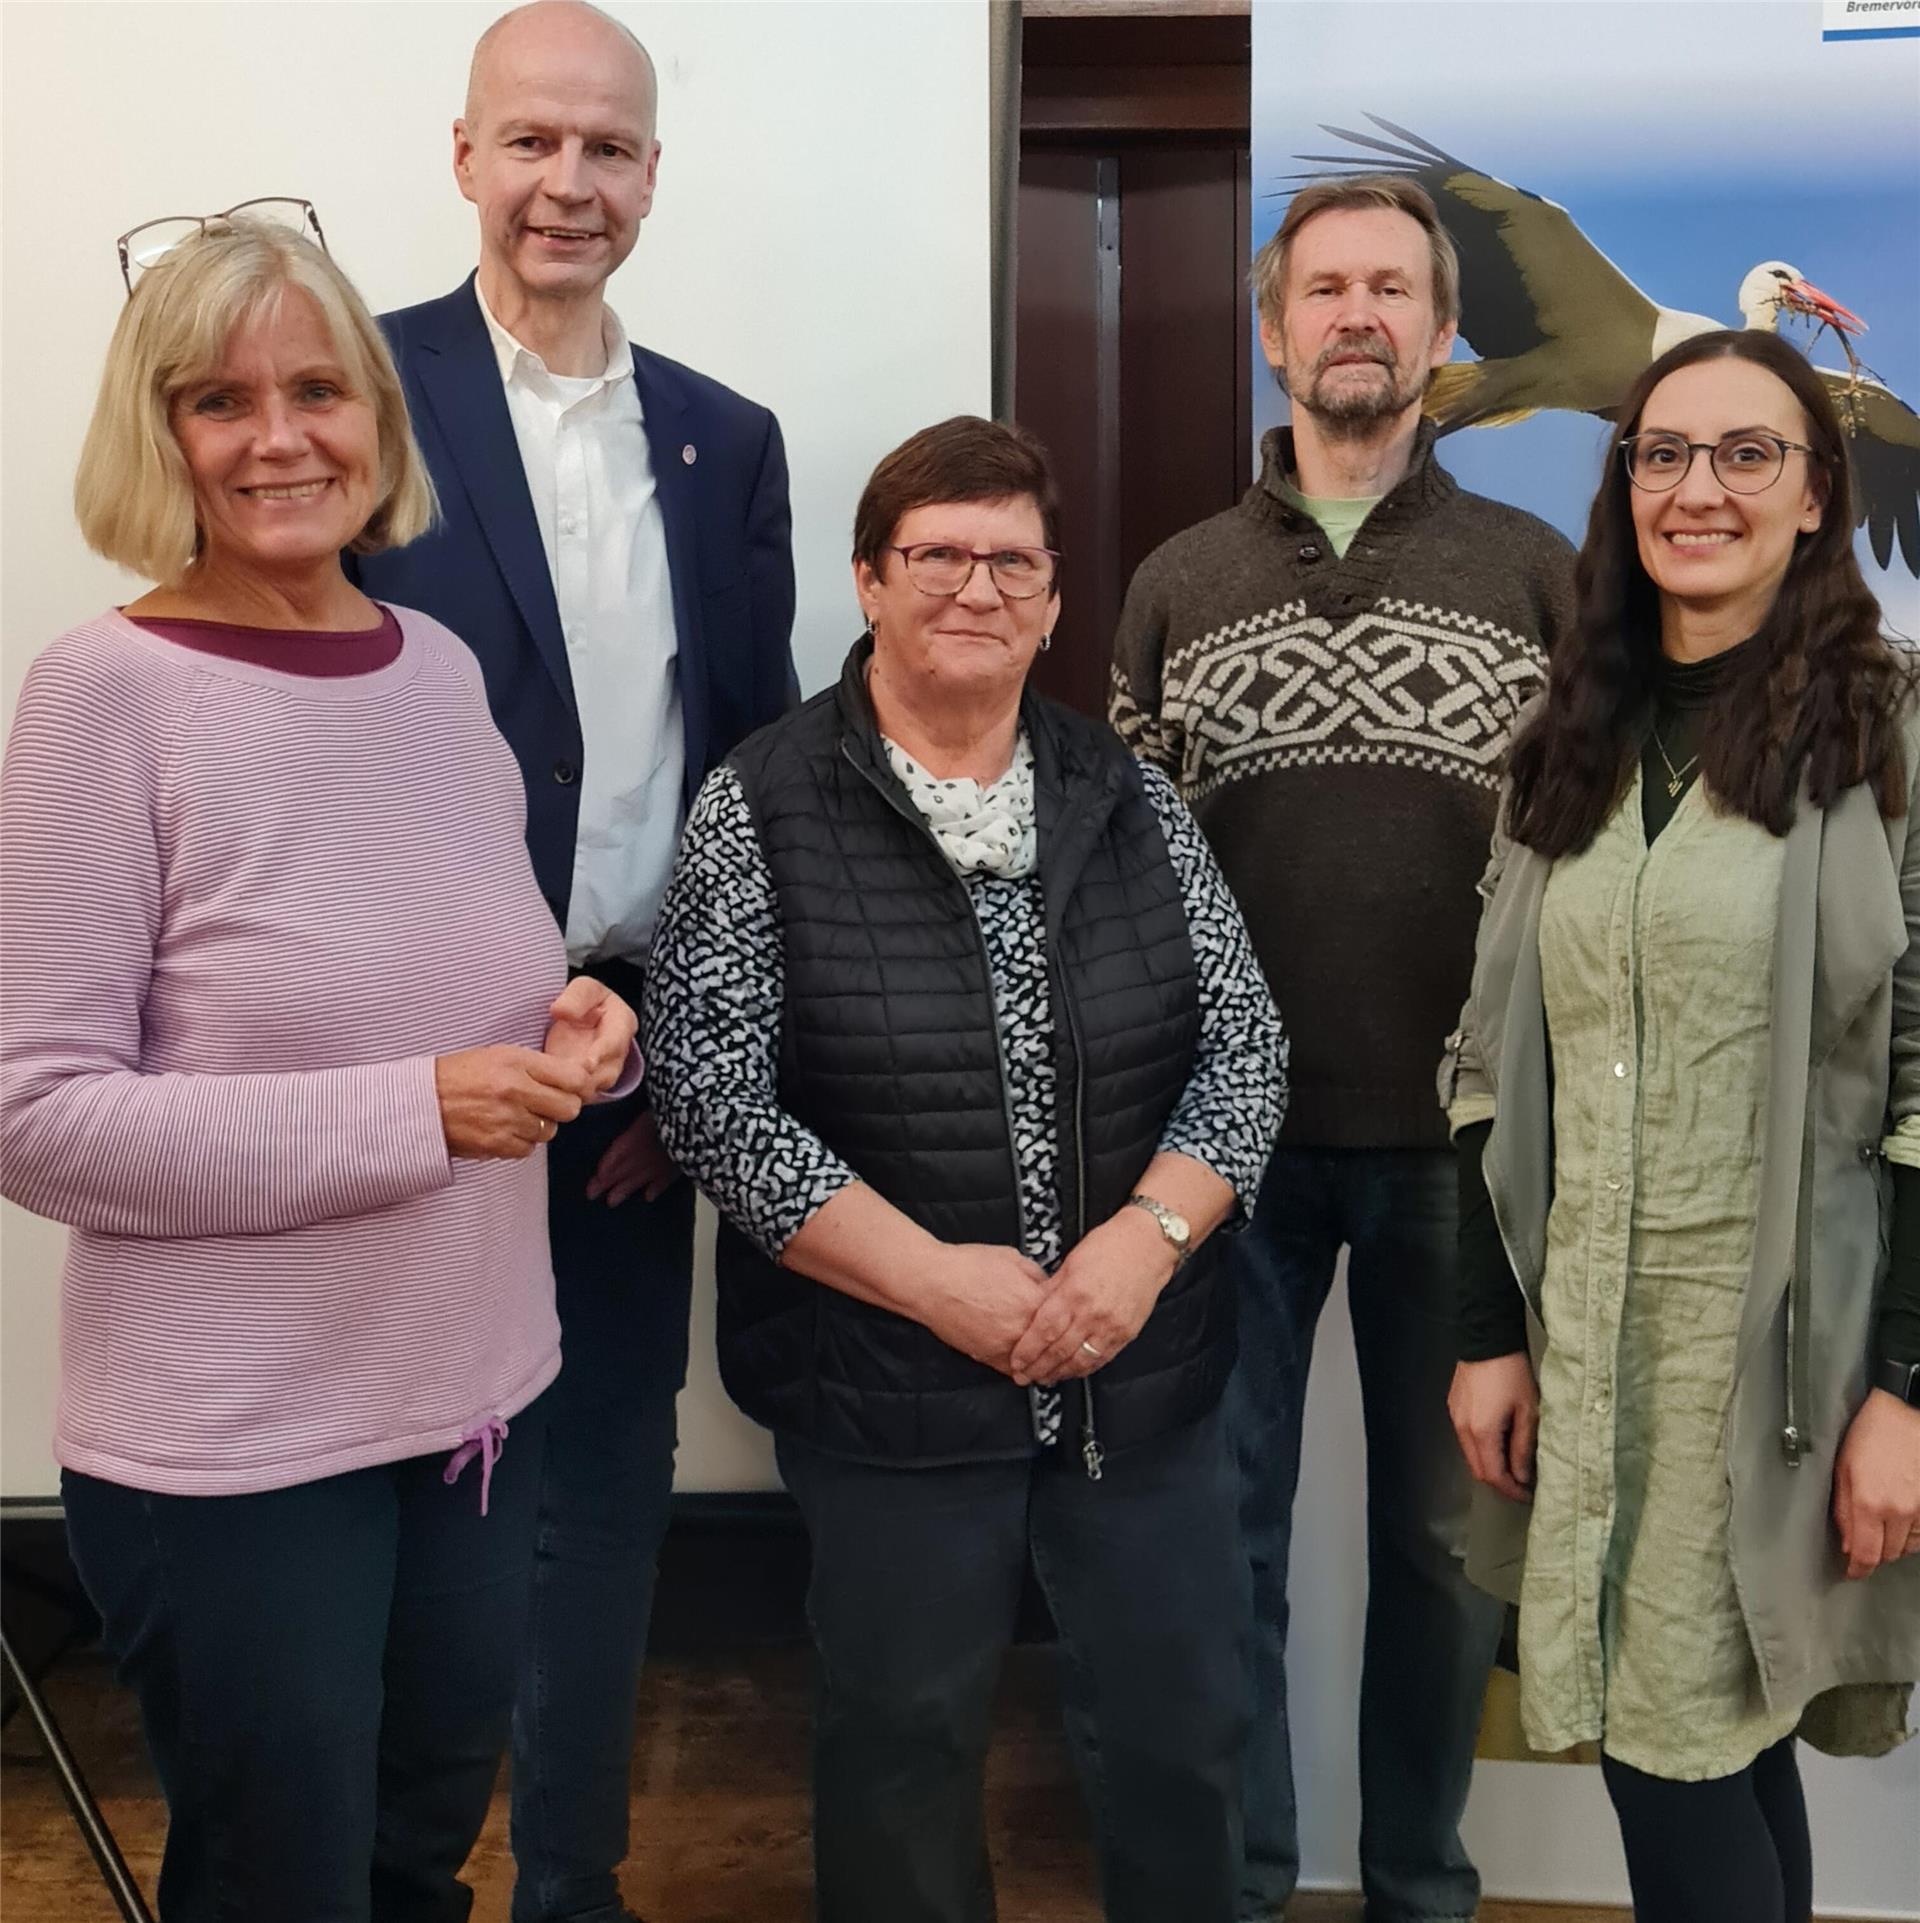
(721,473)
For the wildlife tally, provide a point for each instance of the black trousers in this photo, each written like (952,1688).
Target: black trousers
(916,1580)
(1733,1849)
(622,1278)
(325,1676)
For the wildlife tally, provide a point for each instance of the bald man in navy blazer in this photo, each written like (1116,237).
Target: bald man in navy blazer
(615,550)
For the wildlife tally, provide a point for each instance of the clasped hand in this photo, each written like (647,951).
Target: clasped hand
(592,1028)
(501,1103)
(992,1303)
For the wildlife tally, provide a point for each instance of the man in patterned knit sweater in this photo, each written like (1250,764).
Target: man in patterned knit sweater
(1329,671)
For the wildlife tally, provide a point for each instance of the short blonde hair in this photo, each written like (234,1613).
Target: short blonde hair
(133,493)
(1352,193)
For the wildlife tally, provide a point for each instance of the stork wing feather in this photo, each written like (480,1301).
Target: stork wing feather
(1884,442)
(1528,275)
(1413,140)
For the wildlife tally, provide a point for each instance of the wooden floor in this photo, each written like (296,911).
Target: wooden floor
(721,1810)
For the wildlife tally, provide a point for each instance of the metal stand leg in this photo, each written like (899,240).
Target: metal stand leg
(86,1812)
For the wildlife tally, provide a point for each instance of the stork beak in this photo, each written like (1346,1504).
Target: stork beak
(1805,298)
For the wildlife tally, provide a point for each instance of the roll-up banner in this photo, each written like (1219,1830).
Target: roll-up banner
(1617,174)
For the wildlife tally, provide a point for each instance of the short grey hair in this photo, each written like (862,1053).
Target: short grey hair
(1352,192)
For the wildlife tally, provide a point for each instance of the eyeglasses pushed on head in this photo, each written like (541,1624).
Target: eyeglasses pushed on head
(148,244)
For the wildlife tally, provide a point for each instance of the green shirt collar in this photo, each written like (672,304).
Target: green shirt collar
(1339,519)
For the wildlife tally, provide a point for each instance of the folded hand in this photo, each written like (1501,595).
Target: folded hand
(979,1297)
(593,1029)
(1098,1301)
(503,1102)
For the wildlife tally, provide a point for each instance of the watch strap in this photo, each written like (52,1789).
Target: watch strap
(1900,1379)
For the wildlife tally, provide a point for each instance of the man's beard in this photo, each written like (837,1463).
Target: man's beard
(1347,410)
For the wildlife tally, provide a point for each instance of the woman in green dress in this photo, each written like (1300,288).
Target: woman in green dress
(1686,1093)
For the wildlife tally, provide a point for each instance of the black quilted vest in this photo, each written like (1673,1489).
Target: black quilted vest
(889,1051)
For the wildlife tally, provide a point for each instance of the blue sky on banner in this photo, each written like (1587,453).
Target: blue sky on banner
(1689,139)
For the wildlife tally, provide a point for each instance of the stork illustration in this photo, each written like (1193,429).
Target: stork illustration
(1558,326)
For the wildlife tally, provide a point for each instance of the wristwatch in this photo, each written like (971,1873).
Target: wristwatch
(1900,1379)
(1173,1226)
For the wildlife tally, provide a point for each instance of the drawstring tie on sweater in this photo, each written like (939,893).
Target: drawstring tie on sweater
(482,1440)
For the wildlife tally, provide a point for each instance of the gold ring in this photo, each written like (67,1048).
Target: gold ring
(1092,1351)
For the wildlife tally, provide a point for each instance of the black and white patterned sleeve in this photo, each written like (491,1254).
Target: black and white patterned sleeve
(1236,1096)
(710,1022)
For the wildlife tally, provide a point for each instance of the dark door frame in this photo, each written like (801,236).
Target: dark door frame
(1149,112)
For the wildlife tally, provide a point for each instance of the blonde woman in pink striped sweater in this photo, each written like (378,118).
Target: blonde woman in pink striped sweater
(287,1026)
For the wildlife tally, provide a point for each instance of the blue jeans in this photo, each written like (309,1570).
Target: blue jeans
(916,1582)
(1430,1635)
(325,1676)
(622,1278)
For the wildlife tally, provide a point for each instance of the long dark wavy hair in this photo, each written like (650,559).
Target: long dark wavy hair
(1821,689)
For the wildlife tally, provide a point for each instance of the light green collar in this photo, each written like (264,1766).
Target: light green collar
(1338,517)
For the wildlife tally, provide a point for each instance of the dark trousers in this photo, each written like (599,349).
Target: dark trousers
(622,1278)
(1430,1635)
(1731,1850)
(325,1675)
(917,1576)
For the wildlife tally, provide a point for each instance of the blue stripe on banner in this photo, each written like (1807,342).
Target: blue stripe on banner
(1872,33)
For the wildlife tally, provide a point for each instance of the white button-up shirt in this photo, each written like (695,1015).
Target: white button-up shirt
(583,445)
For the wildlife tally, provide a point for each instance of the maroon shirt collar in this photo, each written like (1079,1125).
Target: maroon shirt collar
(306,651)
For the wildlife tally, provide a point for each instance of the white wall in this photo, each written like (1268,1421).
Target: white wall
(820,242)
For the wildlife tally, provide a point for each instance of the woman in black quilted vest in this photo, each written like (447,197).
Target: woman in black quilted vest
(951,1013)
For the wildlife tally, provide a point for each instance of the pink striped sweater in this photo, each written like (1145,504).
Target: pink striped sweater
(241,911)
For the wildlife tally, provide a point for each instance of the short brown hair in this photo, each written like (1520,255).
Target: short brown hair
(133,494)
(1350,192)
(964,459)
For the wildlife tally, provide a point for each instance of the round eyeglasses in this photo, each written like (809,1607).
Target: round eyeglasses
(1747,462)
(938,567)
(148,244)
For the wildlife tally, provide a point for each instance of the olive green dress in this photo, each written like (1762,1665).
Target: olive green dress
(1657,967)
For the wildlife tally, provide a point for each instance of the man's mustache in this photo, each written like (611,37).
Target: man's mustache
(1372,347)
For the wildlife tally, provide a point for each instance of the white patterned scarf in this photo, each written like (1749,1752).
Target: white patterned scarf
(986,828)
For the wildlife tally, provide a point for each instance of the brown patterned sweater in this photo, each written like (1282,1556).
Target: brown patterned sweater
(1337,727)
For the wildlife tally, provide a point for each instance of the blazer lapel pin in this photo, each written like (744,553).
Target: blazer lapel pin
(688,454)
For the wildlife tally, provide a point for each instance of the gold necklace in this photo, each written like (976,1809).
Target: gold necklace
(1676,777)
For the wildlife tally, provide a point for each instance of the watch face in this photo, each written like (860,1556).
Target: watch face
(1173,1225)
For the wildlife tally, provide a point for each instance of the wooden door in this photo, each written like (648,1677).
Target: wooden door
(1131,322)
